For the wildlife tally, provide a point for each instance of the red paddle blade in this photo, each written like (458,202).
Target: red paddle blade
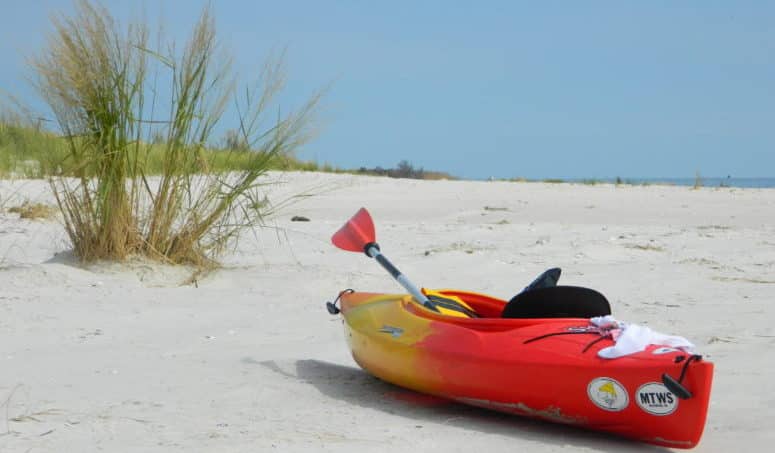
(356,233)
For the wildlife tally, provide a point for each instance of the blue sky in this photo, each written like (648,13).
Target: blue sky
(497,88)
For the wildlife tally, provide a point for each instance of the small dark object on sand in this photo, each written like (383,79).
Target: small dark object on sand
(298,218)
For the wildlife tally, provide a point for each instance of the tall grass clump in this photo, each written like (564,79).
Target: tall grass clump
(105,86)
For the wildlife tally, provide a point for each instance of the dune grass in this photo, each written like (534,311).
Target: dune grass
(26,150)
(96,77)
(34,153)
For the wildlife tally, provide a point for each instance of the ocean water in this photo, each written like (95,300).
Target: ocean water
(706,182)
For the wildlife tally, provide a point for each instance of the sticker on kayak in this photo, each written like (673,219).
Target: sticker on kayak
(656,399)
(395,332)
(608,394)
(660,351)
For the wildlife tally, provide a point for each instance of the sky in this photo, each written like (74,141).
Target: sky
(505,89)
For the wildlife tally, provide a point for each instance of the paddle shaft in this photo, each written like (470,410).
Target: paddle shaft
(373,252)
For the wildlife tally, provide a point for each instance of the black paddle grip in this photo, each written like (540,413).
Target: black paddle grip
(387,265)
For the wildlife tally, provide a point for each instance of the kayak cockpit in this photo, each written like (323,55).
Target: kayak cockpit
(539,306)
(550,302)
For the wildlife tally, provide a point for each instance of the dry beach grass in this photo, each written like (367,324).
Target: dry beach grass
(106,85)
(121,357)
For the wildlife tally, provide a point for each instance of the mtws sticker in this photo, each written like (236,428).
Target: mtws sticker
(656,399)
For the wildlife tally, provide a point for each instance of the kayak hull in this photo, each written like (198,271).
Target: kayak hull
(541,368)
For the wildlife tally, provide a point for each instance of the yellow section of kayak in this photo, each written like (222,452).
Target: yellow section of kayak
(382,337)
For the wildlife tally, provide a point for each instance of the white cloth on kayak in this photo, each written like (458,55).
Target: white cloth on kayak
(633,338)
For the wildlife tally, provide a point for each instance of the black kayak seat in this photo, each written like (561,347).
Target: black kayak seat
(557,302)
(548,278)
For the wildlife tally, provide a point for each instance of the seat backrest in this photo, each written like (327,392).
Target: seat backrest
(557,302)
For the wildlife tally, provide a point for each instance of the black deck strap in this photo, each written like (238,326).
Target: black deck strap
(554,334)
(557,302)
(592,343)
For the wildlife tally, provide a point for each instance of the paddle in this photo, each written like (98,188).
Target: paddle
(357,235)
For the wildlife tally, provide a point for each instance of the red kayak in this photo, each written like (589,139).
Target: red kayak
(544,368)
(543,354)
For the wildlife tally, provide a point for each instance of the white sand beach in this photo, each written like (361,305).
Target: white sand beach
(121,357)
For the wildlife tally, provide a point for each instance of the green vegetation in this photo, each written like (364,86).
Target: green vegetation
(405,169)
(95,78)
(28,151)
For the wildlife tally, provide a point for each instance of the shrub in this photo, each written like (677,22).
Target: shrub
(404,169)
(93,75)
(234,141)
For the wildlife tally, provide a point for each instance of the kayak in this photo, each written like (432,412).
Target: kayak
(551,352)
(539,366)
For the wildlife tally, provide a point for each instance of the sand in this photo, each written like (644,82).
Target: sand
(120,357)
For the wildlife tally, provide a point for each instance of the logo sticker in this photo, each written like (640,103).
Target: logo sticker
(656,399)
(395,332)
(660,351)
(607,394)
